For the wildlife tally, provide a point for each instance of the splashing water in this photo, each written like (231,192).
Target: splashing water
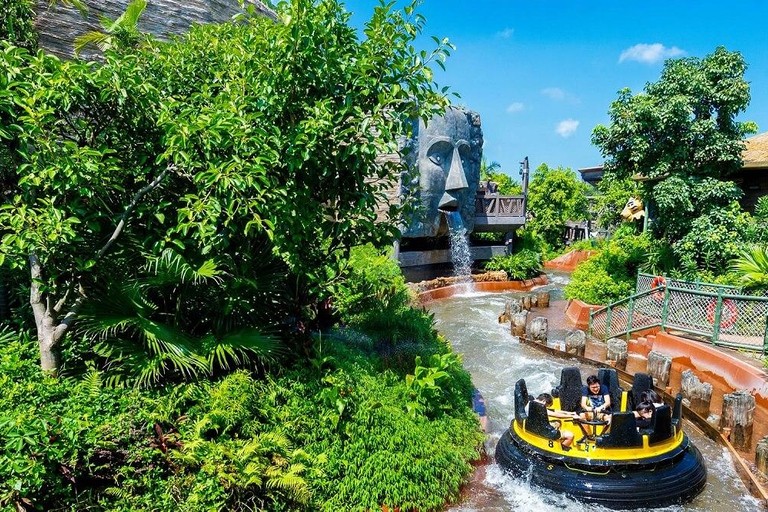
(460,254)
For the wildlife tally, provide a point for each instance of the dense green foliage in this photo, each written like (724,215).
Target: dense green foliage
(17,19)
(682,138)
(521,265)
(611,274)
(337,435)
(555,196)
(752,267)
(272,137)
(611,197)
(180,218)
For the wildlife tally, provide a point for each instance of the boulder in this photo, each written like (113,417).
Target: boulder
(576,342)
(538,330)
(659,366)
(617,353)
(698,394)
(518,323)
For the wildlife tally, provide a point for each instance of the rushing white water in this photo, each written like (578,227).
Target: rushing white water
(496,361)
(460,253)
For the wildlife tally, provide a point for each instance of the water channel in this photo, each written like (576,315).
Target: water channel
(496,361)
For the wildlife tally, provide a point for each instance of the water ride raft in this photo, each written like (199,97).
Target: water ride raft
(618,468)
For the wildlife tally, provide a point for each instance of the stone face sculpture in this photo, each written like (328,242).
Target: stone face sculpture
(446,151)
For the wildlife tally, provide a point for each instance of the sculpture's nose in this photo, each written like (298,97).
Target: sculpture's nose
(454,184)
(456,179)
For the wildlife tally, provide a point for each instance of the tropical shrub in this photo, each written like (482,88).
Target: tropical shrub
(340,435)
(751,267)
(611,274)
(17,26)
(521,265)
(121,160)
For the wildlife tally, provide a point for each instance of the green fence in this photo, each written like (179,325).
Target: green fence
(721,315)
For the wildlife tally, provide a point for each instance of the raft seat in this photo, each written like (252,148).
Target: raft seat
(538,422)
(661,425)
(521,400)
(677,412)
(610,379)
(569,390)
(641,383)
(623,432)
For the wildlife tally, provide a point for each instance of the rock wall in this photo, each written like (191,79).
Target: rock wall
(59,25)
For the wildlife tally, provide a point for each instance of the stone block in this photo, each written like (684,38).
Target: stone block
(698,394)
(659,366)
(576,342)
(739,416)
(617,353)
(538,330)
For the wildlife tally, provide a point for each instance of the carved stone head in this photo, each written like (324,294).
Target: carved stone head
(447,153)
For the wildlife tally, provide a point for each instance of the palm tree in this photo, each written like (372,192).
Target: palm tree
(121,32)
(752,265)
(179,321)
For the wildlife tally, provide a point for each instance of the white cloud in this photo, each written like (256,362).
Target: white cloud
(515,107)
(554,93)
(650,53)
(506,33)
(567,127)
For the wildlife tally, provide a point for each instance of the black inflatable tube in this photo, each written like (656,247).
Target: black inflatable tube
(664,483)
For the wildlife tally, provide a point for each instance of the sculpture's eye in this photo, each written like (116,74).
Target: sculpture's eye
(437,159)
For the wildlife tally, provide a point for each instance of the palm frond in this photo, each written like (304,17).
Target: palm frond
(100,39)
(239,347)
(172,267)
(752,265)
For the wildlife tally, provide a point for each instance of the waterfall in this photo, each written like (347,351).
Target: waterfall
(460,255)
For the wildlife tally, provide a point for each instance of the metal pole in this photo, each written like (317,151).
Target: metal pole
(524,171)
(765,336)
(718,316)
(665,308)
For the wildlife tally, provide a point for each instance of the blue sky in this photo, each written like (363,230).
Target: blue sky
(542,75)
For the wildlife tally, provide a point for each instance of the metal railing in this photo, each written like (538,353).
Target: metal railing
(721,315)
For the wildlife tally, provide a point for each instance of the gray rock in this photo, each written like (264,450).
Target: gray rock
(576,342)
(519,320)
(538,329)
(542,299)
(698,394)
(59,24)
(659,366)
(617,352)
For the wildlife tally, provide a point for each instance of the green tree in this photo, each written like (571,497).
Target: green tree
(682,139)
(274,131)
(555,196)
(17,27)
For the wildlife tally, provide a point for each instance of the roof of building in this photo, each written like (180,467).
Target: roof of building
(756,154)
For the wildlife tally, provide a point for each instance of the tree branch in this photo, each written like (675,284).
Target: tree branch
(123,219)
